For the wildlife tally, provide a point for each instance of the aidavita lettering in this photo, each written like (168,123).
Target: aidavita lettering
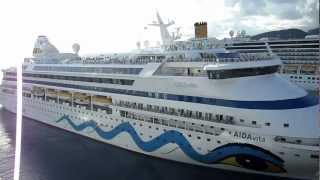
(248,136)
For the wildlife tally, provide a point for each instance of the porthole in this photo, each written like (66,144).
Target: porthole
(189,135)
(198,137)
(297,155)
(267,124)
(282,153)
(254,122)
(218,142)
(208,139)
(285,125)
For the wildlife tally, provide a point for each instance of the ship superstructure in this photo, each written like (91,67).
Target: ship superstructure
(300,57)
(207,107)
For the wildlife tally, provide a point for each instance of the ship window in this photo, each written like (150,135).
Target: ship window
(233,73)
(218,142)
(314,156)
(297,155)
(285,125)
(83,79)
(267,124)
(254,122)
(208,139)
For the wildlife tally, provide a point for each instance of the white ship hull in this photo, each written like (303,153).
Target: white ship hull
(211,108)
(58,114)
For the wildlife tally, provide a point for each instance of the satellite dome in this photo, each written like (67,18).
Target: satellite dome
(76,48)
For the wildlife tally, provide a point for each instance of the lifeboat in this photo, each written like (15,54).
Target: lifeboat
(65,95)
(51,93)
(81,98)
(290,69)
(101,100)
(308,69)
(37,91)
(27,89)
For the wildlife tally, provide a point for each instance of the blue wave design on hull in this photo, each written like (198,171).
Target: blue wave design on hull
(173,136)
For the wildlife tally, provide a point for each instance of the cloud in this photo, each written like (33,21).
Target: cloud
(263,15)
(312,13)
(283,9)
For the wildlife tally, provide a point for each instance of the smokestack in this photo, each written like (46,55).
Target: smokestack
(200,30)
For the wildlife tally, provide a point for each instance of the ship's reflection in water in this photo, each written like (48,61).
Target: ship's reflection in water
(50,153)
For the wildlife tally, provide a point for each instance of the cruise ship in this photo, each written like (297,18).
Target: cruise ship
(207,107)
(300,57)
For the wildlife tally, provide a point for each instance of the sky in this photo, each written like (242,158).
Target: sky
(102,26)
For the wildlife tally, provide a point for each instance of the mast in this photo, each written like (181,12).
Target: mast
(165,35)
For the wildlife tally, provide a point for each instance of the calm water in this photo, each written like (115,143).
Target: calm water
(49,153)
